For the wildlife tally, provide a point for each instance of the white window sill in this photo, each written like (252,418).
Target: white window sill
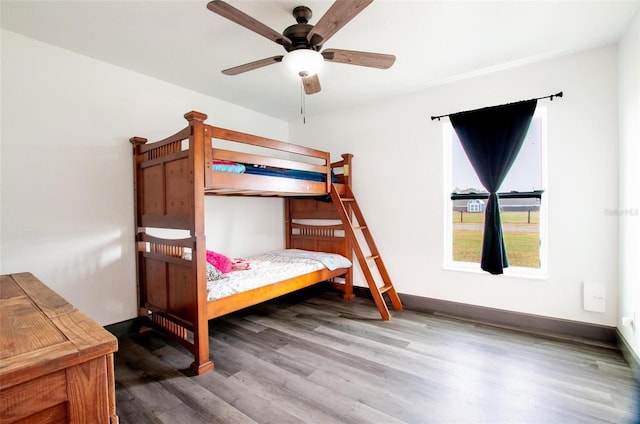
(512,271)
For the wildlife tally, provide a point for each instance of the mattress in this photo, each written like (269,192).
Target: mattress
(271,268)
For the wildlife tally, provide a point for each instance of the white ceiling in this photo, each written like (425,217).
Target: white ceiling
(182,42)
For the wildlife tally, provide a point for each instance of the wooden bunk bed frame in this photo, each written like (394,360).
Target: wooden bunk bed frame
(171,179)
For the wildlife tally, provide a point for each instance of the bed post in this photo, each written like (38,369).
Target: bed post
(287,222)
(197,138)
(137,142)
(346,168)
(348,278)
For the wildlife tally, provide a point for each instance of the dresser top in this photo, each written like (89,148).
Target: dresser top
(40,332)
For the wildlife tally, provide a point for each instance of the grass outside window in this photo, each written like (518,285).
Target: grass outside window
(521,237)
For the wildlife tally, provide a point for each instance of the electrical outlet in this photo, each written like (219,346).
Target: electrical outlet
(631,321)
(594,296)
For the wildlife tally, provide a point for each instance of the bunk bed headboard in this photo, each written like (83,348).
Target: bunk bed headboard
(169,178)
(320,238)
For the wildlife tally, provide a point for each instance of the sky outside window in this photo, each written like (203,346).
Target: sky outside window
(525,174)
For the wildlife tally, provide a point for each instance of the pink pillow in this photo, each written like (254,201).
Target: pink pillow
(218,260)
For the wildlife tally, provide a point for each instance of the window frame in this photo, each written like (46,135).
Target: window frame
(511,271)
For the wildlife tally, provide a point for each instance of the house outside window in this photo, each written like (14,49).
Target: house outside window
(523,205)
(475,206)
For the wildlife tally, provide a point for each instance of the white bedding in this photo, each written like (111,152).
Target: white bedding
(273,267)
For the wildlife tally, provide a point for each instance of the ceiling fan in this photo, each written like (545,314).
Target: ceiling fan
(303,41)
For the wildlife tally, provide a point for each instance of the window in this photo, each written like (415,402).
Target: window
(522,205)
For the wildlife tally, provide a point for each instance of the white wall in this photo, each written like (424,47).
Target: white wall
(629,206)
(66,172)
(405,209)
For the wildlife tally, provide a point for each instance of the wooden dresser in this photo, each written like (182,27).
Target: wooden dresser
(56,364)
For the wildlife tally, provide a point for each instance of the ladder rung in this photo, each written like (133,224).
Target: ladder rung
(372,257)
(347,199)
(359,228)
(384,288)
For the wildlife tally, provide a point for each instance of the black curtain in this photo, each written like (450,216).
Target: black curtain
(491,138)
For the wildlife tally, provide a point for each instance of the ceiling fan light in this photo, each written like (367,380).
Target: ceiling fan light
(303,62)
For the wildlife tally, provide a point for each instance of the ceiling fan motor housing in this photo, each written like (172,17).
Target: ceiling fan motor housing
(298,33)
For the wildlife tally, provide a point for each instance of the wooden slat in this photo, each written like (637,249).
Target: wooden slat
(240,137)
(227,183)
(233,156)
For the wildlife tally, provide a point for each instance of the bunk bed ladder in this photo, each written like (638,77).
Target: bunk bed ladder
(359,235)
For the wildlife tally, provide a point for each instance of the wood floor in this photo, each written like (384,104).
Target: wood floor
(318,359)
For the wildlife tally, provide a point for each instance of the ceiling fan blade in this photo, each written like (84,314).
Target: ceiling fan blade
(226,10)
(352,57)
(311,84)
(340,12)
(252,65)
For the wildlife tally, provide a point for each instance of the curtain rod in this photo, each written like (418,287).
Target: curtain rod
(550,97)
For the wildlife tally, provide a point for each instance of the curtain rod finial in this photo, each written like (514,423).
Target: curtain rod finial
(555,95)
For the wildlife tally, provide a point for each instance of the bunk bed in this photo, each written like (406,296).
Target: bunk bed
(171,179)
